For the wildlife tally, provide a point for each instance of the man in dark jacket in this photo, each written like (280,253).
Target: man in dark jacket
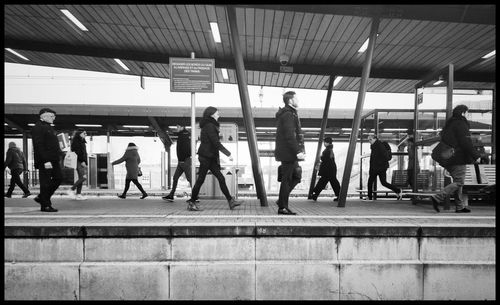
(289,149)
(17,164)
(47,153)
(456,134)
(183,159)
(379,163)
(327,171)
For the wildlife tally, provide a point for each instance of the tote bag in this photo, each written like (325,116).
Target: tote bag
(70,159)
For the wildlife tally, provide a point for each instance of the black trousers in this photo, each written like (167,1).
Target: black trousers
(213,165)
(182,167)
(290,179)
(383,180)
(323,181)
(16,179)
(136,182)
(50,179)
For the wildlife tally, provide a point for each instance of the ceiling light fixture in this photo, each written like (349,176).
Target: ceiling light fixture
(74,20)
(15,53)
(489,54)
(224,73)
(215,31)
(135,126)
(88,125)
(365,45)
(337,80)
(121,64)
(439,81)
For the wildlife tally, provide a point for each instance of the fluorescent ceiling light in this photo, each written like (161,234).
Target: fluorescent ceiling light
(88,125)
(215,31)
(15,53)
(135,126)
(5,124)
(31,124)
(438,82)
(489,54)
(74,20)
(224,73)
(121,64)
(364,46)
(337,80)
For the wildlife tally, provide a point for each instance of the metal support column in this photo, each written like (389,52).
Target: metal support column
(245,105)
(415,138)
(357,113)
(321,134)
(493,130)
(449,92)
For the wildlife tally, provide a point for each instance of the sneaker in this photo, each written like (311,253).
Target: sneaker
(435,204)
(80,197)
(399,195)
(286,211)
(192,206)
(464,210)
(48,209)
(169,197)
(234,203)
(71,193)
(27,195)
(122,196)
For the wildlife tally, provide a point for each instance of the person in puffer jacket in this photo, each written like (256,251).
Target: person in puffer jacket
(16,163)
(208,154)
(132,160)
(456,134)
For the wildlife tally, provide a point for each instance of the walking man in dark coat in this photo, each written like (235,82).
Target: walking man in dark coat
(17,165)
(327,171)
(289,149)
(379,163)
(47,155)
(183,159)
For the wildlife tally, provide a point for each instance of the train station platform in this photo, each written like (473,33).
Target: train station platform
(128,249)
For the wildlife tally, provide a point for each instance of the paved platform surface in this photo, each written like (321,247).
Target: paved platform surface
(106,209)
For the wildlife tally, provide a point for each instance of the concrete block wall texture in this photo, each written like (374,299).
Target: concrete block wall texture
(251,268)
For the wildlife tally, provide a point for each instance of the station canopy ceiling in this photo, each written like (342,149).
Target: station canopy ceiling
(320,40)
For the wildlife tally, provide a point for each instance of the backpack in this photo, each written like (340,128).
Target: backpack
(389,151)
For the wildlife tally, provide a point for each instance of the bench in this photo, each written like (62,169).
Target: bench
(480,182)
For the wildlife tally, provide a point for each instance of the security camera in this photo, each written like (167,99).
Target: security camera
(284,59)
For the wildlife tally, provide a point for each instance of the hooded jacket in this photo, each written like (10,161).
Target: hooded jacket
(15,159)
(210,144)
(289,137)
(45,144)
(78,145)
(456,133)
(378,157)
(132,161)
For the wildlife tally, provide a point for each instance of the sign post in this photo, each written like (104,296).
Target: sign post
(192,75)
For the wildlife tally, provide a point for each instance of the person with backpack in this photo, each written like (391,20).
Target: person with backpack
(379,163)
(17,165)
(456,134)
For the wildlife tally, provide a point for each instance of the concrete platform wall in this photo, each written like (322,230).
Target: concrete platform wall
(245,263)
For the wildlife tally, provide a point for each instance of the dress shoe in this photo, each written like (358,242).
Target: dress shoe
(286,211)
(38,200)
(144,196)
(26,195)
(314,197)
(122,196)
(169,197)
(48,209)
(464,210)
(435,204)
(234,203)
(336,199)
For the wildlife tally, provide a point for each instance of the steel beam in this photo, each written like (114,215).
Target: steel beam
(357,113)
(245,105)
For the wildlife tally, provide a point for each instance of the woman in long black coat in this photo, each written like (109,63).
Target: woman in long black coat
(327,171)
(208,154)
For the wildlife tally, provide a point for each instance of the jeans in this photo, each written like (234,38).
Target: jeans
(16,179)
(383,180)
(213,165)
(182,167)
(289,180)
(50,179)
(457,173)
(82,177)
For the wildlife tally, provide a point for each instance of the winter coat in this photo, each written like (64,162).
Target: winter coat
(378,157)
(15,159)
(328,167)
(80,148)
(183,145)
(132,161)
(289,137)
(210,144)
(45,144)
(457,134)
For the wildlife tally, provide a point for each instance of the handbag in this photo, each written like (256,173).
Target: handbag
(443,153)
(139,171)
(70,159)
